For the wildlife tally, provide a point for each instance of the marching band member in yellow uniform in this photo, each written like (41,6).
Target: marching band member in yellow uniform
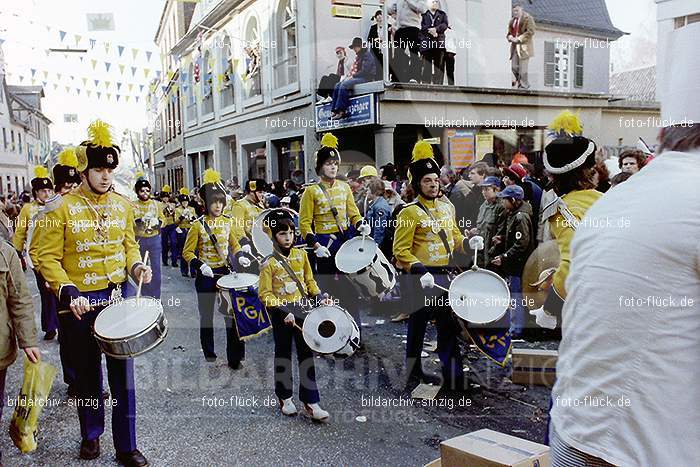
(148,219)
(246,210)
(66,177)
(328,215)
(419,248)
(168,236)
(184,216)
(42,190)
(213,238)
(569,159)
(87,249)
(281,295)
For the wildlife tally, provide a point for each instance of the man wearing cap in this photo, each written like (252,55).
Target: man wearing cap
(42,190)
(168,236)
(491,216)
(148,219)
(326,217)
(424,242)
(364,69)
(513,249)
(87,252)
(185,215)
(246,210)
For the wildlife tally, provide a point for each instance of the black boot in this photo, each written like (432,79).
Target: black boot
(132,459)
(90,449)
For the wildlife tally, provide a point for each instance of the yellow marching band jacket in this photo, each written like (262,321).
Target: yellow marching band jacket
(148,218)
(278,289)
(198,239)
(315,214)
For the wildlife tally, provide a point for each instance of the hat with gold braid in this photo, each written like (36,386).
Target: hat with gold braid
(66,170)
(212,190)
(184,195)
(422,164)
(41,178)
(98,152)
(568,150)
(141,182)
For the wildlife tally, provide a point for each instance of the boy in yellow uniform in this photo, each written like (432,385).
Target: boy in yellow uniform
(168,235)
(328,217)
(246,210)
(148,219)
(426,237)
(42,190)
(184,216)
(87,250)
(281,296)
(210,248)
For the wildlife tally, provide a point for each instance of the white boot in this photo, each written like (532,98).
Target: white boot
(288,407)
(317,413)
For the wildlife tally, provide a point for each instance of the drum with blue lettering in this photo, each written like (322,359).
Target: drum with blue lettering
(238,299)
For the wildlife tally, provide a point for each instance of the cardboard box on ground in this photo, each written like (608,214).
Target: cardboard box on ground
(488,448)
(534,367)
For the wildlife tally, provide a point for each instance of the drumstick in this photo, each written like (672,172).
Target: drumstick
(441,287)
(330,242)
(145,263)
(298,327)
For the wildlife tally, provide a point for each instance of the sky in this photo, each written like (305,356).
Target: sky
(23,26)
(29,27)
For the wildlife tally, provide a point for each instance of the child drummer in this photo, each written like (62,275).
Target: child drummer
(213,237)
(280,293)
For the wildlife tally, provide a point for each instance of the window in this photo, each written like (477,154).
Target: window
(227,82)
(207,74)
(557,65)
(12,135)
(252,79)
(19,141)
(286,63)
(578,66)
(683,21)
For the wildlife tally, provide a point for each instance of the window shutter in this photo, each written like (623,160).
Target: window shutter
(578,66)
(549,64)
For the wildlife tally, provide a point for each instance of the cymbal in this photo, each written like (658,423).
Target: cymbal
(541,264)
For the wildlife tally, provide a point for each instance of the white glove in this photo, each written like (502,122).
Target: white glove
(289,320)
(364,229)
(543,319)
(178,230)
(322,252)
(476,243)
(246,249)
(206,270)
(243,261)
(427,281)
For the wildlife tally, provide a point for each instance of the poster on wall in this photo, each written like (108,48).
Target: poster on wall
(461,148)
(484,145)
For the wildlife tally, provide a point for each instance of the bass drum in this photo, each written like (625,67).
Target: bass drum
(366,266)
(261,239)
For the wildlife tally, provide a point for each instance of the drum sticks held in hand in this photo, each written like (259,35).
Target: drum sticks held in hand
(145,263)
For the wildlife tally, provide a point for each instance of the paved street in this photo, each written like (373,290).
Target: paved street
(195,413)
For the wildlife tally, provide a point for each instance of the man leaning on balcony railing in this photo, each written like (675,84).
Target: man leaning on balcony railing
(364,70)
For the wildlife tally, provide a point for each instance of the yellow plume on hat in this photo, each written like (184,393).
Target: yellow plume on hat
(140,174)
(68,157)
(81,156)
(211,176)
(184,191)
(566,122)
(329,140)
(166,189)
(41,172)
(99,134)
(422,150)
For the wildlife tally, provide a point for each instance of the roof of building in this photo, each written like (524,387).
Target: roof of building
(587,15)
(30,95)
(635,85)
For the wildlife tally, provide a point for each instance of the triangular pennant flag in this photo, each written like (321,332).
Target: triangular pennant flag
(88,92)
(109,96)
(134,53)
(62,34)
(107,65)
(119,86)
(148,56)
(43,83)
(46,74)
(97,81)
(158,74)
(133,70)
(120,49)
(99,94)
(77,39)
(55,86)
(92,43)
(94,63)
(173,98)
(140,87)
(48,28)
(33,70)
(106,47)
(126,98)
(121,69)
(84,81)
(118,96)
(59,76)
(81,59)
(175,88)
(136,98)
(72,78)
(33,82)
(67,88)
(129,86)
(65,56)
(77,90)
(146,72)
(107,83)
(47,52)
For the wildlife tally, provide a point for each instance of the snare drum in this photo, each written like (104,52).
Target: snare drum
(238,299)
(366,266)
(131,327)
(479,296)
(331,330)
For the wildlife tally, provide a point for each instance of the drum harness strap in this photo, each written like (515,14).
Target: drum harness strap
(285,264)
(334,211)
(442,234)
(213,239)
